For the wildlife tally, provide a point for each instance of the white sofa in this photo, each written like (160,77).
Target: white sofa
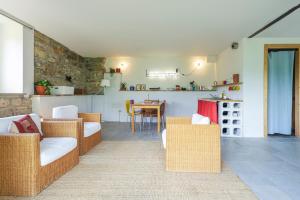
(27,164)
(52,148)
(91,126)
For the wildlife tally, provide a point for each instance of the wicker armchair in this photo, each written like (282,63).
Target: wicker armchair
(70,113)
(87,143)
(192,148)
(21,173)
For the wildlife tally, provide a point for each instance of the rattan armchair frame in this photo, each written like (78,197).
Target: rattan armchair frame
(21,173)
(85,143)
(192,148)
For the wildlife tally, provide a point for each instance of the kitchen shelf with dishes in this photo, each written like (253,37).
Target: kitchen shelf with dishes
(228,84)
(167,90)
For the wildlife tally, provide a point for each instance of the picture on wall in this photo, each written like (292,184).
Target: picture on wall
(143,86)
(138,87)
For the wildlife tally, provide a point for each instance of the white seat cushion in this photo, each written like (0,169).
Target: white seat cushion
(6,121)
(65,112)
(164,138)
(199,119)
(54,148)
(90,128)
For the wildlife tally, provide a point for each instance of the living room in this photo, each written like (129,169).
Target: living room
(149,100)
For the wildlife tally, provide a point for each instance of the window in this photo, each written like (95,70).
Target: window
(16,53)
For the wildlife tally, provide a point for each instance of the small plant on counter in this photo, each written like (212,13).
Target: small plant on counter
(123,86)
(42,87)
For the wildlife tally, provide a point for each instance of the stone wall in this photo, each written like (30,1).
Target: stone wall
(14,105)
(53,62)
(95,73)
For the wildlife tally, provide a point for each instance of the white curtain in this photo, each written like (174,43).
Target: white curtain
(280,91)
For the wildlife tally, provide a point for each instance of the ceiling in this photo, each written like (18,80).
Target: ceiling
(287,27)
(147,27)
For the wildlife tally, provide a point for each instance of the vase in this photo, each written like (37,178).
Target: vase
(40,90)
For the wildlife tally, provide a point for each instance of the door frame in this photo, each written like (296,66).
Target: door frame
(268,47)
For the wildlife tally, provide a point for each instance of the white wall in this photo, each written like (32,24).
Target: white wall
(43,105)
(182,103)
(11,56)
(230,62)
(135,72)
(28,60)
(250,62)
(16,57)
(253,71)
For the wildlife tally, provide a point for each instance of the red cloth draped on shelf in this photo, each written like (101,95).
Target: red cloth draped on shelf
(208,109)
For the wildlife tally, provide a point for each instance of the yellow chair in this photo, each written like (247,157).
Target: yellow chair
(129,111)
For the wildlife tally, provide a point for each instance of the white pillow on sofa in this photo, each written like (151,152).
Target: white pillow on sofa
(199,119)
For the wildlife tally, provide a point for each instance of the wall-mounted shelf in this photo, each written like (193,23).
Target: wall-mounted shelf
(167,91)
(229,84)
(113,73)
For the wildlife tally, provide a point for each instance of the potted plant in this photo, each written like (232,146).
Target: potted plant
(123,86)
(42,87)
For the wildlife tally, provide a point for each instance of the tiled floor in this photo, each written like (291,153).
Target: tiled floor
(270,167)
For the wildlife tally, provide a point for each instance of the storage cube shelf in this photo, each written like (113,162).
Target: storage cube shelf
(230,119)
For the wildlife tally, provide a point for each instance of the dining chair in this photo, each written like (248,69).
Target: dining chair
(128,104)
(152,113)
(162,114)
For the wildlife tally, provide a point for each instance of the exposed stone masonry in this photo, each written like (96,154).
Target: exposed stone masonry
(14,105)
(54,62)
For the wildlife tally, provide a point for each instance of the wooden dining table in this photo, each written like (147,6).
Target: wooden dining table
(146,105)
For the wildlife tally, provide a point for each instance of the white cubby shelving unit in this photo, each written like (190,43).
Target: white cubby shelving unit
(230,118)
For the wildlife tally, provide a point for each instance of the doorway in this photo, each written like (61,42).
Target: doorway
(281,90)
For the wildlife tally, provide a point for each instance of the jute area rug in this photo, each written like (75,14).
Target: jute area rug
(136,170)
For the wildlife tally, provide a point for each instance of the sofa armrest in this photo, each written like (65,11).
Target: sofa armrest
(61,129)
(19,163)
(90,117)
(179,120)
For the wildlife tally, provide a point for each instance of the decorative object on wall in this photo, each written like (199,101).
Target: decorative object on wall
(154,88)
(138,87)
(42,87)
(157,74)
(123,86)
(79,91)
(193,85)
(112,70)
(143,86)
(68,78)
(131,88)
(234,88)
(105,83)
(236,78)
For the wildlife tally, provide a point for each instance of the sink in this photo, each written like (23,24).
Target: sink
(61,90)
(214,97)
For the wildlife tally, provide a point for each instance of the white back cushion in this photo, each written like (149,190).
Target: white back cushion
(5,122)
(65,112)
(199,119)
